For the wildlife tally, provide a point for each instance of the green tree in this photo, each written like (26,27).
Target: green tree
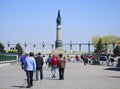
(2,48)
(107,39)
(95,40)
(99,49)
(19,49)
(110,38)
(117,50)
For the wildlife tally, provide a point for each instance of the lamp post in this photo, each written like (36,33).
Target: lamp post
(70,46)
(52,47)
(34,48)
(79,47)
(88,47)
(105,47)
(8,45)
(25,47)
(113,47)
(43,46)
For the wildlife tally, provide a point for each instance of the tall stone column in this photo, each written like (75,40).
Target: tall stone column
(58,42)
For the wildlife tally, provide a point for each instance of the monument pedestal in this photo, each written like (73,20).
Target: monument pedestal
(58,44)
(59,51)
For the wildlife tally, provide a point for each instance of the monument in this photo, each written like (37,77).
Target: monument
(58,43)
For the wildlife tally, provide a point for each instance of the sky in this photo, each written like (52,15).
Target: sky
(34,21)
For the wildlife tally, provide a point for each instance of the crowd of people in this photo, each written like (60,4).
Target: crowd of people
(86,59)
(34,64)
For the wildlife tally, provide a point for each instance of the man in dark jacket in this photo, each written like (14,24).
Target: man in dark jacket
(39,66)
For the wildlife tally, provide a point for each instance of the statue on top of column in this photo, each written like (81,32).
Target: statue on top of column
(58,18)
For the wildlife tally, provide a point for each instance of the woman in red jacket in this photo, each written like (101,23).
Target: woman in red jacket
(54,64)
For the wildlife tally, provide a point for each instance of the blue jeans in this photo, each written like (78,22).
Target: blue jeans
(53,70)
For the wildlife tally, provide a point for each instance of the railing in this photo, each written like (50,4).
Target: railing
(27,47)
(8,58)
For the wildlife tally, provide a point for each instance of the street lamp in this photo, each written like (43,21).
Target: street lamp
(43,44)
(52,47)
(34,48)
(8,45)
(105,46)
(25,46)
(88,47)
(113,47)
(71,46)
(79,47)
(34,45)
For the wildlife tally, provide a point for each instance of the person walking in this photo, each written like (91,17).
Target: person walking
(49,61)
(61,66)
(39,66)
(44,61)
(54,64)
(22,60)
(30,67)
(85,59)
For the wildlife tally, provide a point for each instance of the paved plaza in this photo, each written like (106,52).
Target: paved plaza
(77,76)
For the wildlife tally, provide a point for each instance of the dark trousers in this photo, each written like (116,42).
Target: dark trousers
(41,73)
(29,78)
(49,64)
(22,65)
(61,73)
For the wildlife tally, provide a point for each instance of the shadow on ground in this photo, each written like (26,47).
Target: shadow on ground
(114,76)
(49,78)
(113,69)
(19,86)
